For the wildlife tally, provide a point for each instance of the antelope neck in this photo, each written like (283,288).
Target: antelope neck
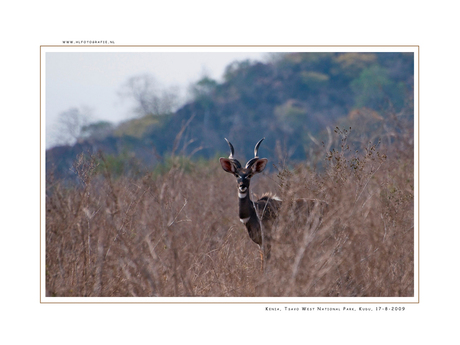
(246,206)
(249,218)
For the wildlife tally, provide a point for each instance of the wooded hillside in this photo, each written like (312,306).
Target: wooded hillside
(293,100)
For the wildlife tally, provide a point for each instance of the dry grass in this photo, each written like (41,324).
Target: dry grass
(178,234)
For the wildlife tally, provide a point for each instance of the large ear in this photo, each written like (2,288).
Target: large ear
(227,165)
(259,165)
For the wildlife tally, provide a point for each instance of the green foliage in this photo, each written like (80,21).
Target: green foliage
(351,64)
(291,115)
(97,130)
(375,89)
(314,80)
(181,163)
(237,69)
(203,88)
(137,128)
(115,166)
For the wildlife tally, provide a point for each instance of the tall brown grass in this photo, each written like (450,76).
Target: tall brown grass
(178,233)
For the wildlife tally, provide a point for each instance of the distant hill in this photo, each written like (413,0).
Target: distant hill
(290,101)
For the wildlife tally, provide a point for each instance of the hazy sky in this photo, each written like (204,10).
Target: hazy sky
(93,79)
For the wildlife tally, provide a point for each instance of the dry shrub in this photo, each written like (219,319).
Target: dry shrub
(178,234)
(361,243)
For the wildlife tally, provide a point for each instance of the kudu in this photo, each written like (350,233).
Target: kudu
(259,215)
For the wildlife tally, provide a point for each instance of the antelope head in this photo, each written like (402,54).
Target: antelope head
(243,175)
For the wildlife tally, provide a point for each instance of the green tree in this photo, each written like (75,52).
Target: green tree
(97,130)
(202,90)
(375,89)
